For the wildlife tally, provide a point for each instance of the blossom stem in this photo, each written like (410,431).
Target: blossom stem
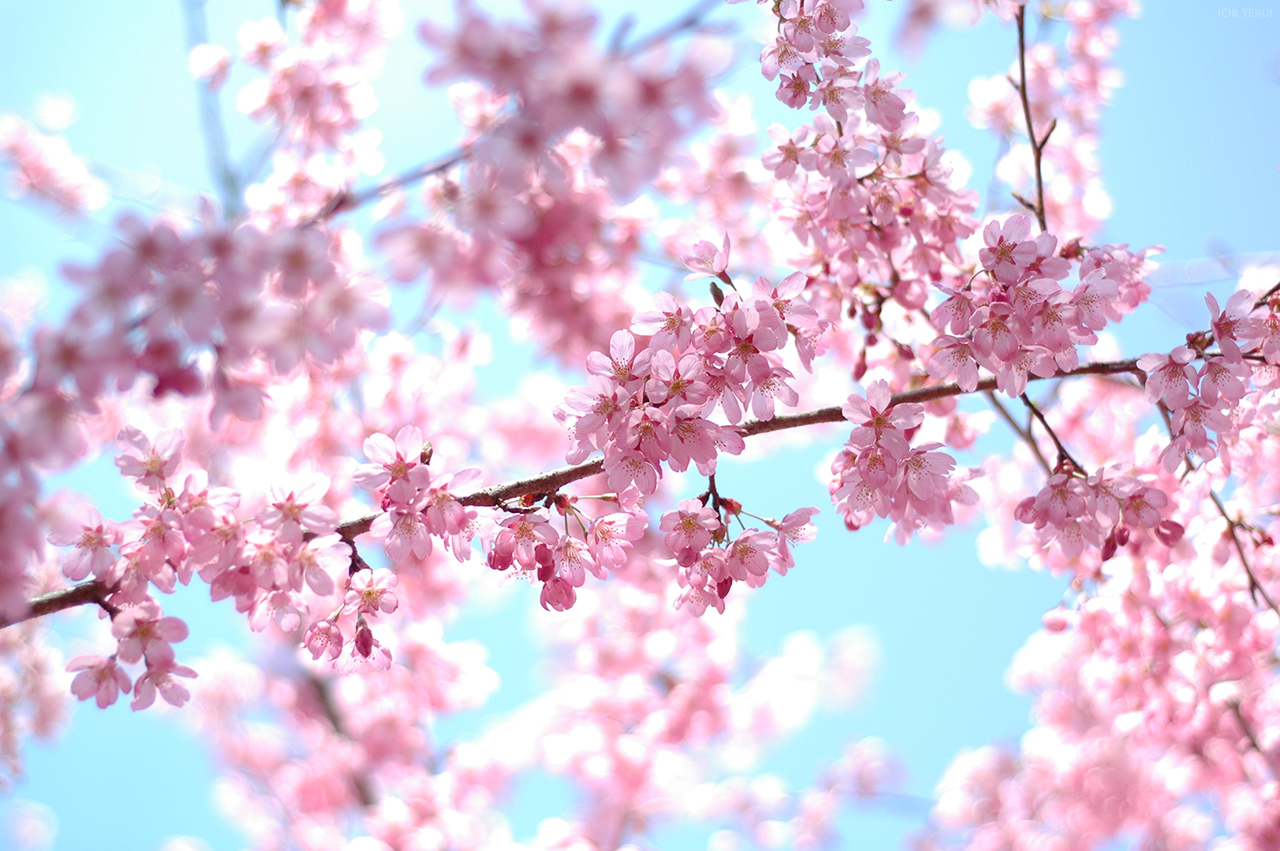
(691,20)
(345,202)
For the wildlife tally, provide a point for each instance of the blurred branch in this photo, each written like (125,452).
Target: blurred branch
(211,125)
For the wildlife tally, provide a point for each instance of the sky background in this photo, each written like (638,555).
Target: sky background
(1189,156)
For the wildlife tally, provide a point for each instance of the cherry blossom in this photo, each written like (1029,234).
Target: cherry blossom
(333,480)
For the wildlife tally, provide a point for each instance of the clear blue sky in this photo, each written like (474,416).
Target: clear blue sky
(1190,160)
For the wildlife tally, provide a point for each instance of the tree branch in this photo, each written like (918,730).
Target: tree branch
(94,591)
(215,136)
(546,484)
(359,783)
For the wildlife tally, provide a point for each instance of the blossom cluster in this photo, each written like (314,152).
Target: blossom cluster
(1156,694)
(869,193)
(1207,399)
(315,93)
(648,407)
(1076,511)
(879,474)
(709,563)
(274,565)
(562,133)
(1016,320)
(44,167)
(214,312)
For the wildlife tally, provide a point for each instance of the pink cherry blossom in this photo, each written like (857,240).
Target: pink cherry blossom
(369,592)
(151,465)
(160,679)
(99,678)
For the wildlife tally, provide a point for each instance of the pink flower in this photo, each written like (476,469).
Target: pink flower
(611,538)
(142,631)
(93,541)
(747,558)
(705,259)
(668,327)
(361,650)
(879,421)
(99,678)
(323,638)
(370,592)
(403,531)
(557,594)
(295,509)
(317,561)
(622,364)
(572,559)
(150,465)
(442,512)
(283,607)
(626,467)
(689,528)
(161,678)
(1008,252)
(883,106)
(789,153)
(1233,327)
(954,356)
(398,462)
(1169,377)
(795,528)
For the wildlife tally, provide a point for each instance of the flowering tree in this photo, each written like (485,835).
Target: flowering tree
(347,489)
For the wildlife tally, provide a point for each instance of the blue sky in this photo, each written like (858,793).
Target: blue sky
(1190,159)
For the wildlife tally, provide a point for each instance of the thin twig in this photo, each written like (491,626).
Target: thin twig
(1023,433)
(1037,145)
(345,202)
(688,21)
(1063,455)
(1248,732)
(1255,587)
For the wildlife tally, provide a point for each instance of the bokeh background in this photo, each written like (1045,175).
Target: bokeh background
(1189,154)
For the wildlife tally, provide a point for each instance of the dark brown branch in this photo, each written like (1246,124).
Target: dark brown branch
(86,593)
(1063,455)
